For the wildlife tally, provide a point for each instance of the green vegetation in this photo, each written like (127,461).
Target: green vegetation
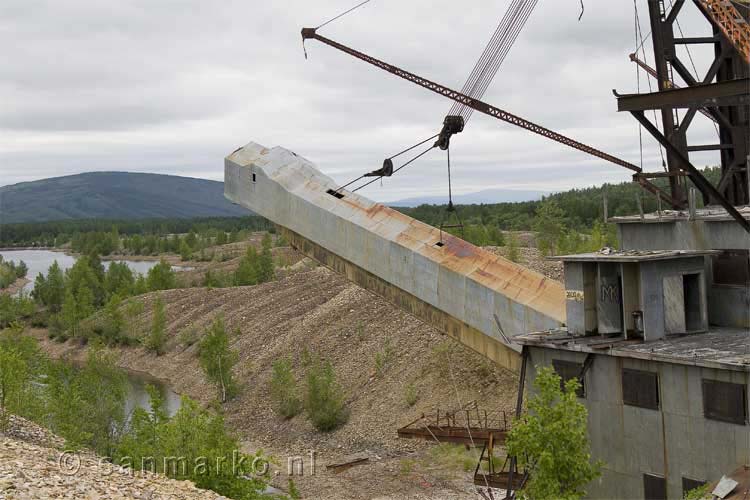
(454,457)
(157,338)
(324,398)
(14,309)
(699,493)
(138,237)
(217,359)
(576,216)
(384,357)
(411,395)
(551,441)
(194,445)
(283,389)
(86,406)
(513,254)
(161,277)
(255,268)
(10,272)
(70,300)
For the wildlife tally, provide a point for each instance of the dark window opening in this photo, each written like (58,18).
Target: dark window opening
(335,193)
(654,487)
(732,267)
(692,300)
(690,484)
(568,370)
(439,244)
(725,401)
(640,388)
(253,176)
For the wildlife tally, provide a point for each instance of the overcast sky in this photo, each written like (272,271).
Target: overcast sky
(173,87)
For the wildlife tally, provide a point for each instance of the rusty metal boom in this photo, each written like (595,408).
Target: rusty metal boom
(476,104)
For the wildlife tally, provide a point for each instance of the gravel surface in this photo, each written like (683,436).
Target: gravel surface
(33,467)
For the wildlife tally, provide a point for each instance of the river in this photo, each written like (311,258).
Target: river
(39,261)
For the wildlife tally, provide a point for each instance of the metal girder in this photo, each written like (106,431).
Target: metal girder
(700,182)
(729,93)
(476,104)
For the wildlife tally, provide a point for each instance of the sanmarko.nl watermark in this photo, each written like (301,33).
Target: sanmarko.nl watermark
(240,465)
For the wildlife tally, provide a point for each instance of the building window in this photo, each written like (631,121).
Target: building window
(725,401)
(640,388)
(732,267)
(253,176)
(654,487)
(690,484)
(568,370)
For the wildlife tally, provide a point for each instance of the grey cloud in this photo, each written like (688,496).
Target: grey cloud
(174,86)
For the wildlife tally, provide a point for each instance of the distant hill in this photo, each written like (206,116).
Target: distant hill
(115,195)
(484,196)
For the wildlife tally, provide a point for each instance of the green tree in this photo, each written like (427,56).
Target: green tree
(283,389)
(265,261)
(157,338)
(161,277)
(247,272)
(186,252)
(551,441)
(549,225)
(217,358)
(208,453)
(86,406)
(324,398)
(50,290)
(113,322)
(13,372)
(69,314)
(513,252)
(119,280)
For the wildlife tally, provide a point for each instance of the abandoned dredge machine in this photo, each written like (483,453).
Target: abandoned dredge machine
(658,333)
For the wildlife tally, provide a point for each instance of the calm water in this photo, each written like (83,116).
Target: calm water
(39,261)
(138,397)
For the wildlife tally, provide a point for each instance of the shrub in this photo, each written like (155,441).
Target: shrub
(283,389)
(217,359)
(384,357)
(410,395)
(161,277)
(324,398)
(157,339)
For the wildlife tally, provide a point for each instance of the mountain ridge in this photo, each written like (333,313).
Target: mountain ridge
(114,195)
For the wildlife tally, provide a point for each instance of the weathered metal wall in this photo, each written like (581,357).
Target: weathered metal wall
(729,305)
(456,280)
(674,441)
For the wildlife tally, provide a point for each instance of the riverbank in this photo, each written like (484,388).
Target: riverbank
(317,311)
(15,286)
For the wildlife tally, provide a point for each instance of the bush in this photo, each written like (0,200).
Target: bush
(283,389)
(161,277)
(551,441)
(324,398)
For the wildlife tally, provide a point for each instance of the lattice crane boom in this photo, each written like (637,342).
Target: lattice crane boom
(476,104)
(731,23)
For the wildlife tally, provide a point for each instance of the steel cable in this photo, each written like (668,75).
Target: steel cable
(399,168)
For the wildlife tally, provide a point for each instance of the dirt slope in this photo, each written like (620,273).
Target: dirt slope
(320,312)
